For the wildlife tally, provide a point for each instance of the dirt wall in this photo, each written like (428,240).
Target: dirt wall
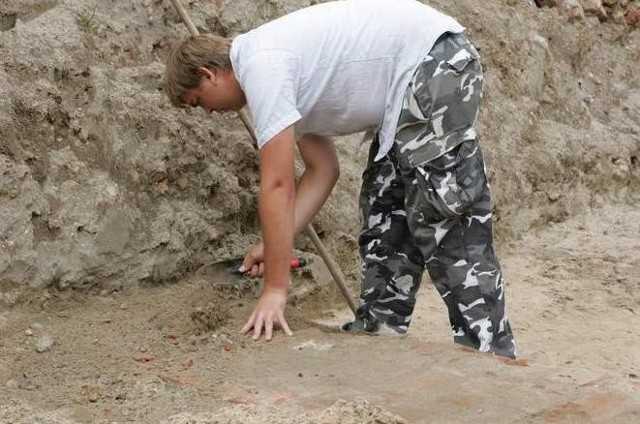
(104,185)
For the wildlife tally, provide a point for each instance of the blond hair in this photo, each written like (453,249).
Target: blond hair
(187,55)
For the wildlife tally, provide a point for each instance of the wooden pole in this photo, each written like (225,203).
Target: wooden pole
(338,277)
(331,266)
(185,17)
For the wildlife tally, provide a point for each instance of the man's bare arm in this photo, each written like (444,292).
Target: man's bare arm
(276,205)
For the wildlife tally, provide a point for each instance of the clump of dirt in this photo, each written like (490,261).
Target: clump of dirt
(354,412)
(358,411)
(210,317)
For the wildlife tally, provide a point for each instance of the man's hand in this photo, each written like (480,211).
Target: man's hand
(268,312)
(253,264)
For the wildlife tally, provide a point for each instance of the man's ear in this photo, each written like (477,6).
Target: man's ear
(206,72)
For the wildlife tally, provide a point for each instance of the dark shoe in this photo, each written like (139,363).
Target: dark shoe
(362,325)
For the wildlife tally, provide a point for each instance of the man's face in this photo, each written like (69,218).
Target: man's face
(218,91)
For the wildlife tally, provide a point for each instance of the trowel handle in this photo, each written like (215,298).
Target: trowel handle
(298,262)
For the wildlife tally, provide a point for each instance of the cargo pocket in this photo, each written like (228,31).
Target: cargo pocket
(438,181)
(470,173)
(462,59)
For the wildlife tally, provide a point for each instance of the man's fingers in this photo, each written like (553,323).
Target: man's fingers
(252,270)
(255,269)
(267,314)
(257,328)
(268,324)
(268,330)
(249,325)
(285,326)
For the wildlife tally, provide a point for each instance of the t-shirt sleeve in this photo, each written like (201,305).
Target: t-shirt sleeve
(268,79)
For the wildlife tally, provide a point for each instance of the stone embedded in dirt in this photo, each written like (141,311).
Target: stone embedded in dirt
(12,384)
(145,357)
(228,345)
(594,7)
(35,326)
(28,332)
(45,343)
(313,345)
(28,383)
(572,9)
(632,16)
(536,39)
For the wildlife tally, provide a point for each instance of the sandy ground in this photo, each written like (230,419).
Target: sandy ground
(148,356)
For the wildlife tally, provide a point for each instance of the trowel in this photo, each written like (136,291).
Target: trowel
(228,270)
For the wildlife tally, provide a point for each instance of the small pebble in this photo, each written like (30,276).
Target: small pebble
(123,306)
(28,332)
(45,343)
(35,326)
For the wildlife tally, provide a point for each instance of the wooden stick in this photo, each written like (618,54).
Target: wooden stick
(331,265)
(185,17)
(311,233)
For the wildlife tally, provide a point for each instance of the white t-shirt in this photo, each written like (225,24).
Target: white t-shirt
(335,68)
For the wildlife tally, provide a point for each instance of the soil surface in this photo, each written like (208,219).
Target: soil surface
(173,354)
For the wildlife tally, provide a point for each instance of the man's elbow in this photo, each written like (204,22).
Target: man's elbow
(329,172)
(282,186)
(333,169)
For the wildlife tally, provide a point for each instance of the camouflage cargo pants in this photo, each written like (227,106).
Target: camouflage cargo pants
(427,204)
